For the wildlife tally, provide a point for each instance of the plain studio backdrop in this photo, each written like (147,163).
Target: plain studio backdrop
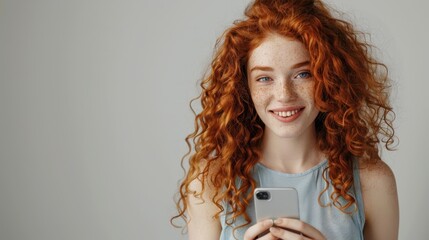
(94,110)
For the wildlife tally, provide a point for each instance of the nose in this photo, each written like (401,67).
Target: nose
(285,91)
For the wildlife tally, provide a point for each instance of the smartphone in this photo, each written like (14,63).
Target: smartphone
(272,203)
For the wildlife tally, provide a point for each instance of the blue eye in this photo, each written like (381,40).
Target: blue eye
(263,79)
(303,75)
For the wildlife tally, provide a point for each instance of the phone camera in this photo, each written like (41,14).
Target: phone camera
(263,195)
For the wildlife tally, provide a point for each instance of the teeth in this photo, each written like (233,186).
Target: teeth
(286,113)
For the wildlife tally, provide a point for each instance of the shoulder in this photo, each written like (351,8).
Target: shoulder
(202,223)
(380,199)
(377,177)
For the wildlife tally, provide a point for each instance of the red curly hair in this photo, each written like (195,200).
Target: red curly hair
(351,91)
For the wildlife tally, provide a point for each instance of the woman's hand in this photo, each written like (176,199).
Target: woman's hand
(259,228)
(296,230)
(277,230)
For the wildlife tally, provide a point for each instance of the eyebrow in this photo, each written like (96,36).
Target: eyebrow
(266,68)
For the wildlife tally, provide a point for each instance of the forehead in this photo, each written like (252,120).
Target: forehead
(278,50)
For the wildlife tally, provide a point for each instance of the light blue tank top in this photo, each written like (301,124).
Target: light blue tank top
(333,223)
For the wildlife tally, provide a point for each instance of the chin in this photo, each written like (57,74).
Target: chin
(285,134)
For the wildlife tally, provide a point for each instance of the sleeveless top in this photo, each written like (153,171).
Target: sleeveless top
(332,222)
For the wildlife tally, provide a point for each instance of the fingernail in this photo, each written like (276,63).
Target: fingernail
(268,222)
(278,221)
(274,230)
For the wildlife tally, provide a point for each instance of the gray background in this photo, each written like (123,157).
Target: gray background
(94,109)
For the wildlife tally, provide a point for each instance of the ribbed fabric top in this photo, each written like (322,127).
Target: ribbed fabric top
(332,222)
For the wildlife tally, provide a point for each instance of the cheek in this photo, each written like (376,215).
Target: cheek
(258,97)
(307,91)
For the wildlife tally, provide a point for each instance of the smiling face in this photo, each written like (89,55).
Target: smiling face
(281,86)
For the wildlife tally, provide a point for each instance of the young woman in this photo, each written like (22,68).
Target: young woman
(293,99)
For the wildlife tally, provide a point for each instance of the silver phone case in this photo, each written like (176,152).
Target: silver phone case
(283,202)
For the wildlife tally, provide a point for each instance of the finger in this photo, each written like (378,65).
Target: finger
(268,236)
(285,234)
(299,226)
(257,229)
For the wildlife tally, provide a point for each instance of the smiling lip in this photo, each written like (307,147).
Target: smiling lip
(288,114)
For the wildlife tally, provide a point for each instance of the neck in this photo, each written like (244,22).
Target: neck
(290,155)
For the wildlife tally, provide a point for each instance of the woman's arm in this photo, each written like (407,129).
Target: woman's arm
(201,211)
(380,199)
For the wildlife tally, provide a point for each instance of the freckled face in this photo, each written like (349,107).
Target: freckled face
(282,87)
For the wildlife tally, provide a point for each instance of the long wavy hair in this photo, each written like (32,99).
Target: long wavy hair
(351,91)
